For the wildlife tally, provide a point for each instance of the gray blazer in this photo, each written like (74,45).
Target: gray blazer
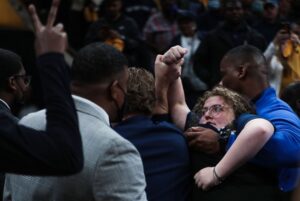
(112,170)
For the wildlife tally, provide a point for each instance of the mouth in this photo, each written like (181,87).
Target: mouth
(211,123)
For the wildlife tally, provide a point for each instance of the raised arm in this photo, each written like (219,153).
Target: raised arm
(58,150)
(177,104)
(162,83)
(173,91)
(248,143)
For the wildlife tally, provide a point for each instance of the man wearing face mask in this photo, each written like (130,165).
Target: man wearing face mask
(113,169)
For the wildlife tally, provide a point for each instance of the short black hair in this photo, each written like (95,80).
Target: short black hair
(10,64)
(248,54)
(97,63)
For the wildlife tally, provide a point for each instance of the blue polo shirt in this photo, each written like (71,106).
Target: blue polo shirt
(165,157)
(283,148)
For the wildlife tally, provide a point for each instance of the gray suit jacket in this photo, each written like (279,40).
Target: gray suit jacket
(112,170)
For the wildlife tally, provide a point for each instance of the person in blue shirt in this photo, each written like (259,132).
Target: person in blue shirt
(244,69)
(219,108)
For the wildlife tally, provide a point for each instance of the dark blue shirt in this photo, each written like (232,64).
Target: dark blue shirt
(165,156)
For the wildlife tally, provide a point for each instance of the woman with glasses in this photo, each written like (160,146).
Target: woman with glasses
(228,174)
(232,117)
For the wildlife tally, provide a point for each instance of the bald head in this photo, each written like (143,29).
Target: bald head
(242,67)
(248,55)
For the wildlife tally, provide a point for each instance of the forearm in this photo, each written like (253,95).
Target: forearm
(248,143)
(177,104)
(161,91)
(62,123)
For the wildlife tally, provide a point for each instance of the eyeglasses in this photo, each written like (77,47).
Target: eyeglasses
(26,78)
(213,110)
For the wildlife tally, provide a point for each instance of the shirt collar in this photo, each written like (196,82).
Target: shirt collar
(5,103)
(96,107)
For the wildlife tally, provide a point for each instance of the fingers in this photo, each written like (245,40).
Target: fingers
(198,181)
(36,20)
(193,141)
(181,61)
(174,55)
(159,58)
(59,27)
(52,13)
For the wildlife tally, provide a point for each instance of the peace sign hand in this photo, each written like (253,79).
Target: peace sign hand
(49,38)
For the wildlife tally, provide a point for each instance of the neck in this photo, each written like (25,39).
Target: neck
(127,116)
(7,98)
(256,89)
(97,93)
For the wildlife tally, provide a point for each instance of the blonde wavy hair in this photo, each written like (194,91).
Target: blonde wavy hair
(238,103)
(140,92)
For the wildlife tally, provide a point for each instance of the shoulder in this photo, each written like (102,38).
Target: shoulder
(36,120)
(243,119)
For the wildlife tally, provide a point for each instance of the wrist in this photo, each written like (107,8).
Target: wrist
(217,176)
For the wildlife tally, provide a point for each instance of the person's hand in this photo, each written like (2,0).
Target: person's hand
(49,38)
(174,56)
(163,73)
(168,66)
(295,39)
(281,36)
(205,178)
(203,139)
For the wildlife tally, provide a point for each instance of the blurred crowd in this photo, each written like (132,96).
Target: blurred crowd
(141,29)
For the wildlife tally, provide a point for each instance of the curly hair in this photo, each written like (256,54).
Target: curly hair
(140,92)
(238,103)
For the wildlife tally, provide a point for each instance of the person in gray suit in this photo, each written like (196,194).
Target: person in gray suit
(113,168)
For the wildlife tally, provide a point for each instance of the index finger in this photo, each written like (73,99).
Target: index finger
(52,13)
(36,20)
(191,135)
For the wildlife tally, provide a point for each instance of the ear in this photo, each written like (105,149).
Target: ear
(242,70)
(12,84)
(115,91)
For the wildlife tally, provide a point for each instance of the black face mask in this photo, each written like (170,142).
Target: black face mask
(121,110)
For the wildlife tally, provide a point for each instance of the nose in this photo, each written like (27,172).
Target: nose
(221,83)
(207,115)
